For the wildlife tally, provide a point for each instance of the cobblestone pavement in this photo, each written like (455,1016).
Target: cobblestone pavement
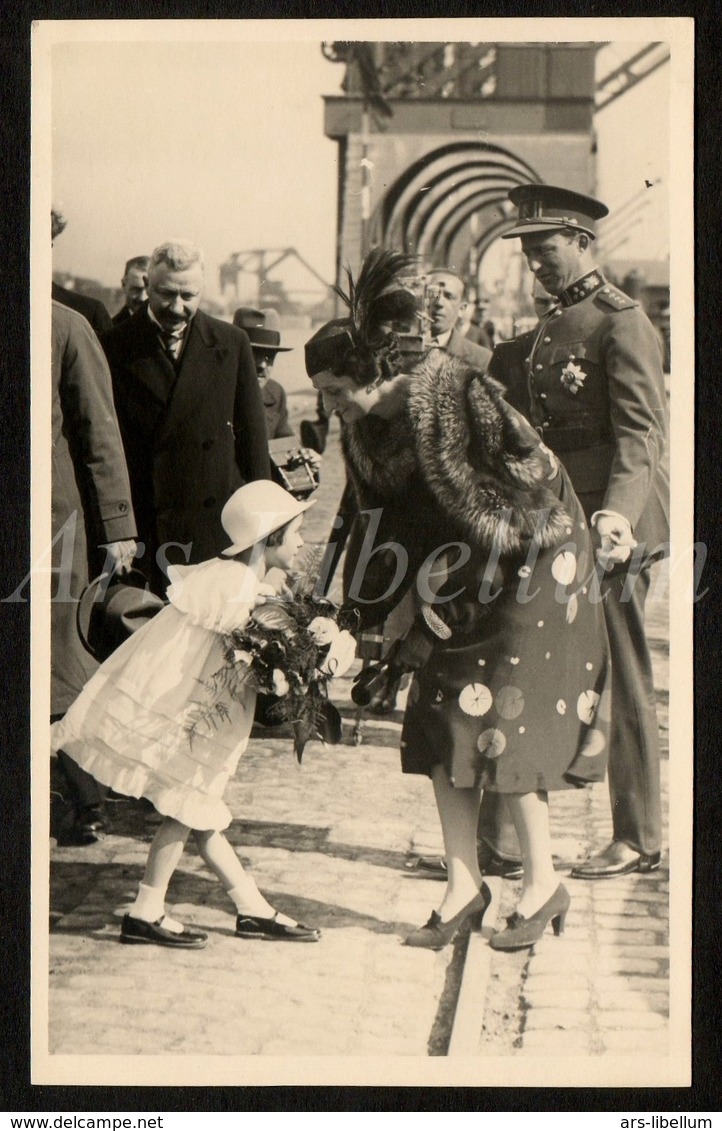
(327,842)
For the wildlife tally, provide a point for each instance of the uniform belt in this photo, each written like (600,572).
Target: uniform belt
(571,439)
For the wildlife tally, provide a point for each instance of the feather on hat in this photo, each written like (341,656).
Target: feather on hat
(375,300)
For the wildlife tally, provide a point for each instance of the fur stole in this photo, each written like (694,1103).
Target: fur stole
(381,457)
(481,460)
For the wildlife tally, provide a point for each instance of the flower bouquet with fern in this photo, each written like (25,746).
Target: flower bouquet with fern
(288,652)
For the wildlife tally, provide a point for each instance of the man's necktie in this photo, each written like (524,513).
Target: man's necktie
(172,346)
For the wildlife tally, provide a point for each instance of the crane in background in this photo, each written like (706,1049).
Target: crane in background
(261,261)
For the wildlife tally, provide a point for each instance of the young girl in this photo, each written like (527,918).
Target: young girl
(129,726)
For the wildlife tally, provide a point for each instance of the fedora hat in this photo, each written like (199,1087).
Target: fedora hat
(262,327)
(255,510)
(112,608)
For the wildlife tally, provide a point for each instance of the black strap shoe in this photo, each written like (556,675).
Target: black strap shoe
(251,927)
(92,821)
(139,931)
(88,826)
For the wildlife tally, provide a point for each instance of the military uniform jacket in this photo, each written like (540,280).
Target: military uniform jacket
(589,378)
(192,433)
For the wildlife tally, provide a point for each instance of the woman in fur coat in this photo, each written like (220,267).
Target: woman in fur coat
(509,648)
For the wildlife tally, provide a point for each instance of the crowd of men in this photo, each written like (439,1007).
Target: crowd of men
(164,416)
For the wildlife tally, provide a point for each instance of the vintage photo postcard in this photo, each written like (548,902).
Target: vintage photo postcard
(363,563)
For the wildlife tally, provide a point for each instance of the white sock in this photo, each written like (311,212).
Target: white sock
(249,901)
(148,904)
(172,925)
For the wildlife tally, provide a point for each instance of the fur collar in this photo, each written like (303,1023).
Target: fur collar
(481,460)
(381,456)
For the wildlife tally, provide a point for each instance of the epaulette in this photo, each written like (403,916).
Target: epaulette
(506,343)
(612,296)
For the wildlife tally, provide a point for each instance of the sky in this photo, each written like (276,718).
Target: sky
(222,142)
(219,143)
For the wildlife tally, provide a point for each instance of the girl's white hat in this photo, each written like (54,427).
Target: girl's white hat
(257,509)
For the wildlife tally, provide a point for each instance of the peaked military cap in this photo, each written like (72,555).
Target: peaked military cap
(545,208)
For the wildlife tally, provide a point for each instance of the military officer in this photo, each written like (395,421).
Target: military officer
(589,377)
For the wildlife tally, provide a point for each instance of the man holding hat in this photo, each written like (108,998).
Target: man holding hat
(92,524)
(591,382)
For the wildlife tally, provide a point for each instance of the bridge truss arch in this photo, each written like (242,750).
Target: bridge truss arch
(449,205)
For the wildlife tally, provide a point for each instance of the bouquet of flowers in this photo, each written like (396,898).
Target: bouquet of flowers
(288,652)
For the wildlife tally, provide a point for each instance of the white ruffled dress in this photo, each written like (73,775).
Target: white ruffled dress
(128,726)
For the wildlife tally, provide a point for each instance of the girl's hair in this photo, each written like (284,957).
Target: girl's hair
(273,539)
(276,536)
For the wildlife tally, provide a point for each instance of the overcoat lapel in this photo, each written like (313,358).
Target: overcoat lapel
(150,365)
(201,359)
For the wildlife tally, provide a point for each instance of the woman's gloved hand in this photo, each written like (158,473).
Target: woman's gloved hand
(370,685)
(378,683)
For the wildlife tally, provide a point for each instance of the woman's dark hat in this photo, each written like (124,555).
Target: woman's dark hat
(547,208)
(377,300)
(262,327)
(328,346)
(112,608)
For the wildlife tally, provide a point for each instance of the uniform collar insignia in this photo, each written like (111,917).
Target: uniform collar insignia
(582,288)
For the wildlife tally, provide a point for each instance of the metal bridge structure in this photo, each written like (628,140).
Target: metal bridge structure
(261,262)
(432,136)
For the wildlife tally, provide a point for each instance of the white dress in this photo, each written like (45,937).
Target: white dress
(128,726)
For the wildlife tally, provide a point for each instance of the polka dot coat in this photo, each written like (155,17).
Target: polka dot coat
(518,699)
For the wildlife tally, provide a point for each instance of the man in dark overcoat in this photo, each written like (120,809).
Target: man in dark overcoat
(93,524)
(91,309)
(190,414)
(591,381)
(135,287)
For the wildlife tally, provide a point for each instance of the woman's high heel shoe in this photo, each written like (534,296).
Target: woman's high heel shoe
(521,932)
(436,934)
